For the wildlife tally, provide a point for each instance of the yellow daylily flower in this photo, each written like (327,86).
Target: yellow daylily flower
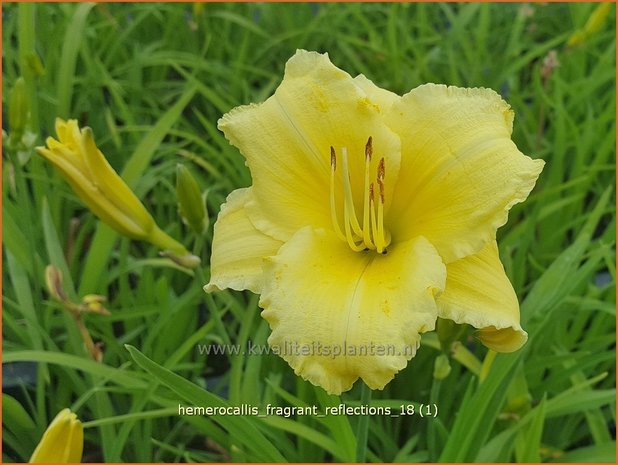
(88,172)
(370,215)
(62,442)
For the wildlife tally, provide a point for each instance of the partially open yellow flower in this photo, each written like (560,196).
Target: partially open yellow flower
(369,216)
(88,172)
(62,441)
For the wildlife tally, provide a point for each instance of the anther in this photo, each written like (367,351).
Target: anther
(369,149)
(333,206)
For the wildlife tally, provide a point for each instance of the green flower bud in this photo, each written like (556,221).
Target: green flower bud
(190,201)
(441,367)
(448,332)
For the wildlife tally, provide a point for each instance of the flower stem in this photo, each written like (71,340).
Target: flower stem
(362,430)
(487,363)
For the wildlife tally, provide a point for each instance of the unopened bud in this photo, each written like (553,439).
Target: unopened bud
(190,201)
(62,442)
(597,18)
(187,261)
(593,25)
(441,367)
(53,280)
(448,333)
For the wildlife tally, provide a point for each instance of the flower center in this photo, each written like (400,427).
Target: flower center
(371,234)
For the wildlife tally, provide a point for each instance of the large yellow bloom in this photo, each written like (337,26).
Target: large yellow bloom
(369,216)
(62,442)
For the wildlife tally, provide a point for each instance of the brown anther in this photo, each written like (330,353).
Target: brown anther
(369,148)
(371,192)
(381,170)
(381,184)
(333,158)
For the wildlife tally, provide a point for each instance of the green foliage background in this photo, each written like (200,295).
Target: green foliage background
(152,80)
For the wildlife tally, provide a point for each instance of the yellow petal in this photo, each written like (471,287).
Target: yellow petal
(479,293)
(238,248)
(68,133)
(460,172)
(286,141)
(105,178)
(62,442)
(92,196)
(383,98)
(337,315)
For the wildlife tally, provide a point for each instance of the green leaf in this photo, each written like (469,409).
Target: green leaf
(121,377)
(242,429)
(602,453)
(14,415)
(556,283)
(528,443)
(478,411)
(70,47)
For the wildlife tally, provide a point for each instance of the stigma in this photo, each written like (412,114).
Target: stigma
(365,231)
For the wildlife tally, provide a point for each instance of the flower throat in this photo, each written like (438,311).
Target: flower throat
(370,235)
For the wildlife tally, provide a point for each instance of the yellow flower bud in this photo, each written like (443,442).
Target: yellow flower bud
(190,201)
(88,172)
(597,18)
(62,442)
(593,25)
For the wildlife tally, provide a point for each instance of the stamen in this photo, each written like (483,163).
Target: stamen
(349,199)
(369,148)
(333,206)
(380,239)
(381,170)
(374,222)
(380,242)
(366,227)
(372,234)
(348,233)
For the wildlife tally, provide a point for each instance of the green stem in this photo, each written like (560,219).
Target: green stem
(362,430)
